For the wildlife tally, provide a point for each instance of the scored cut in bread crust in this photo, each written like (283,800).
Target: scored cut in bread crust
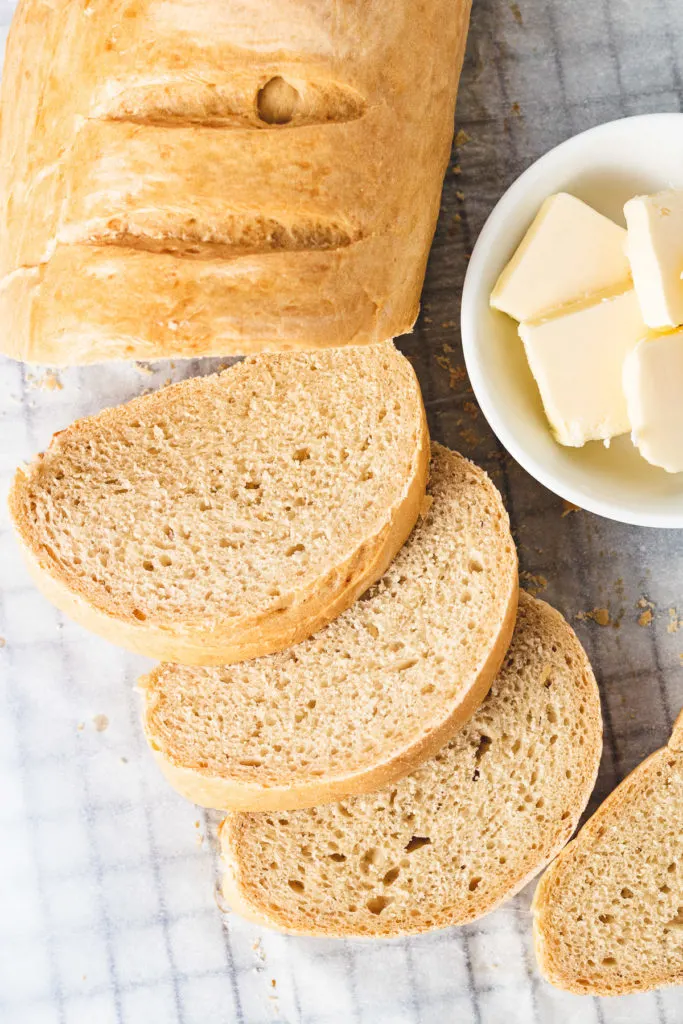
(450,842)
(379,690)
(181,180)
(608,913)
(229,516)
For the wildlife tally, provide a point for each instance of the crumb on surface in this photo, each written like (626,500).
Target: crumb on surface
(457,169)
(456,371)
(462,138)
(144,368)
(569,506)
(3,642)
(516,13)
(101,722)
(460,196)
(675,622)
(600,616)
(533,583)
(49,381)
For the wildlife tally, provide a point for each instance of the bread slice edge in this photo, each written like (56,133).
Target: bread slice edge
(545,959)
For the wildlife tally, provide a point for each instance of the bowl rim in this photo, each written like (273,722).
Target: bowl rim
(468,330)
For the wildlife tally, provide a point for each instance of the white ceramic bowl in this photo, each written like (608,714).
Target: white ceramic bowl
(604,166)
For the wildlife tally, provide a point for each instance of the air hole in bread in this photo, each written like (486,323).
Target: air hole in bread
(377,904)
(277,101)
(417,842)
(474,883)
(140,616)
(294,549)
(391,876)
(295,885)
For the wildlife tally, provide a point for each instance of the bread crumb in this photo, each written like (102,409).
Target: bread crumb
(516,13)
(675,622)
(101,722)
(426,505)
(533,583)
(273,983)
(80,726)
(457,169)
(569,506)
(600,616)
(460,196)
(260,953)
(144,368)
(446,347)
(48,382)
(462,138)
(2,641)
(516,109)
(646,615)
(471,409)
(456,371)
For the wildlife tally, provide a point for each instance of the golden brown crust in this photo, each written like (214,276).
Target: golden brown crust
(548,938)
(266,227)
(224,640)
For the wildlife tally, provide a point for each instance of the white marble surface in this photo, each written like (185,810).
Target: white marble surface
(107,910)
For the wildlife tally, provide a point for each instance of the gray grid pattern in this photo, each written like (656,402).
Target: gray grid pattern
(108,913)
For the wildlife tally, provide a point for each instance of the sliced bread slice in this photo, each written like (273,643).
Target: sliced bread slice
(229,516)
(464,832)
(608,914)
(379,690)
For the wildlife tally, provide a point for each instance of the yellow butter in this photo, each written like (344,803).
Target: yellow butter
(569,253)
(577,359)
(653,385)
(655,251)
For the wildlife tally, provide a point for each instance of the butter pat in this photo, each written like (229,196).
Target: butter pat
(655,251)
(577,358)
(569,252)
(653,384)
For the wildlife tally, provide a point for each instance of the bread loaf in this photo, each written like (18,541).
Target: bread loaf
(229,516)
(373,694)
(185,179)
(461,834)
(608,913)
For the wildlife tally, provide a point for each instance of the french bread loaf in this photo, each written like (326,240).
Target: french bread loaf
(229,516)
(184,179)
(368,698)
(461,834)
(608,913)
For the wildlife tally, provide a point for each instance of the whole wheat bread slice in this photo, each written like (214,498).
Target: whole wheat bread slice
(372,695)
(229,516)
(464,832)
(608,914)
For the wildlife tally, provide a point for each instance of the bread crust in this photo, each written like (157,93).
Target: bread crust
(154,207)
(547,943)
(237,885)
(229,640)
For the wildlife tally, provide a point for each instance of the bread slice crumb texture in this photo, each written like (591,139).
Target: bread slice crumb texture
(372,695)
(465,831)
(228,516)
(608,914)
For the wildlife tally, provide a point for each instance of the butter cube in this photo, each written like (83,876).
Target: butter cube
(577,359)
(655,251)
(653,384)
(570,252)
